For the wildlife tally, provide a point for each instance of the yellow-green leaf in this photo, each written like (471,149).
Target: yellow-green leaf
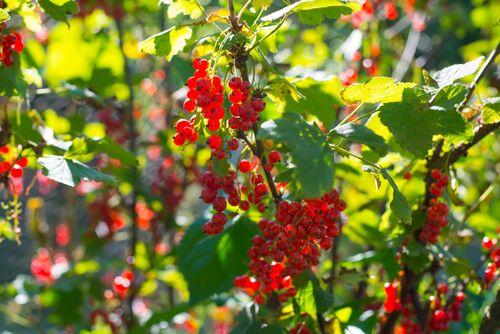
(185,7)
(376,90)
(4,16)
(167,43)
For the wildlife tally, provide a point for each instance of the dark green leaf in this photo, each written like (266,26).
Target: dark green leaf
(399,204)
(361,134)
(220,258)
(309,150)
(59,10)
(414,123)
(318,98)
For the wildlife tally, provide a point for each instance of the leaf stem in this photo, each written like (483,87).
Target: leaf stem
(346,119)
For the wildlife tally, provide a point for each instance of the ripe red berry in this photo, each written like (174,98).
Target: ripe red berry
(214,142)
(488,243)
(244,166)
(179,139)
(274,157)
(232,144)
(189,105)
(234,83)
(436,174)
(407,175)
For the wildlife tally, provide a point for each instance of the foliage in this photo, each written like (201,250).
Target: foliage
(254,166)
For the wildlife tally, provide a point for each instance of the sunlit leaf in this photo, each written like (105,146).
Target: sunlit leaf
(491,111)
(167,43)
(4,16)
(450,74)
(375,90)
(59,9)
(315,11)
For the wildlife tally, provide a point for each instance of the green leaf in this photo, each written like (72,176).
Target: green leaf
(12,80)
(315,11)
(450,74)
(59,9)
(318,98)
(323,299)
(185,7)
(399,204)
(71,172)
(167,43)
(376,90)
(450,97)
(221,258)
(309,150)
(491,111)
(413,122)
(361,134)
(4,16)
(261,3)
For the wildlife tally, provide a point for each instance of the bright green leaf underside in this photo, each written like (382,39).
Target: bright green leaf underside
(71,172)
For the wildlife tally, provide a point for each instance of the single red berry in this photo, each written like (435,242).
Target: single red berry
(232,144)
(189,105)
(22,162)
(244,166)
(234,83)
(407,175)
(179,139)
(244,205)
(436,174)
(488,243)
(274,157)
(214,142)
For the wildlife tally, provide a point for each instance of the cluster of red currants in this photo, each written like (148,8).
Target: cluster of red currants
(41,266)
(437,213)
(290,245)
(408,324)
(446,309)
(490,273)
(122,283)
(244,105)
(14,168)
(212,186)
(11,42)
(392,302)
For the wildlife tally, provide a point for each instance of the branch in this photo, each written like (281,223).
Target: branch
(491,320)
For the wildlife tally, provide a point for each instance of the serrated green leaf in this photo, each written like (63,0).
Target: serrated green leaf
(376,90)
(185,7)
(361,134)
(59,9)
(413,122)
(309,150)
(491,111)
(167,43)
(318,98)
(4,16)
(219,257)
(450,74)
(450,97)
(70,172)
(399,204)
(315,11)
